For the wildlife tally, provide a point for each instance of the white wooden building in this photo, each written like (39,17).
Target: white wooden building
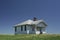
(31,27)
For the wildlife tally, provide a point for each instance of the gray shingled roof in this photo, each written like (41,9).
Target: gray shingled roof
(30,22)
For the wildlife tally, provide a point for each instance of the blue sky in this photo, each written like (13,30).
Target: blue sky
(16,11)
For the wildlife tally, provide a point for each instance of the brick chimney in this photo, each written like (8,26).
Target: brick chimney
(34,19)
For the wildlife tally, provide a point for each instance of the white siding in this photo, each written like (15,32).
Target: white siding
(18,29)
(30,30)
(41,25)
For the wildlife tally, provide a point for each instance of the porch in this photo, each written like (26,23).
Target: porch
(39,30)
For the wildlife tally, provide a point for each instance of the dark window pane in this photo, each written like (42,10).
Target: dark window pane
(21,28)
(25,27)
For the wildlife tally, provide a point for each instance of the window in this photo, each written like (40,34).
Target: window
(21,28)
(15,29)
(25,27)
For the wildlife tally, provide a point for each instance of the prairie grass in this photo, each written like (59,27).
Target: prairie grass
(31,37)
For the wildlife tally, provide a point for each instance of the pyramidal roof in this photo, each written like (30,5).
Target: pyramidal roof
(30,22)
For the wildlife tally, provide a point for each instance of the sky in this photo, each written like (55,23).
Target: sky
(16,11)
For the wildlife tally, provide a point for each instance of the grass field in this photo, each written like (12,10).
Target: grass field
(31,37)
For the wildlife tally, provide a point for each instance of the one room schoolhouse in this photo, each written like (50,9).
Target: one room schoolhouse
(34,26)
